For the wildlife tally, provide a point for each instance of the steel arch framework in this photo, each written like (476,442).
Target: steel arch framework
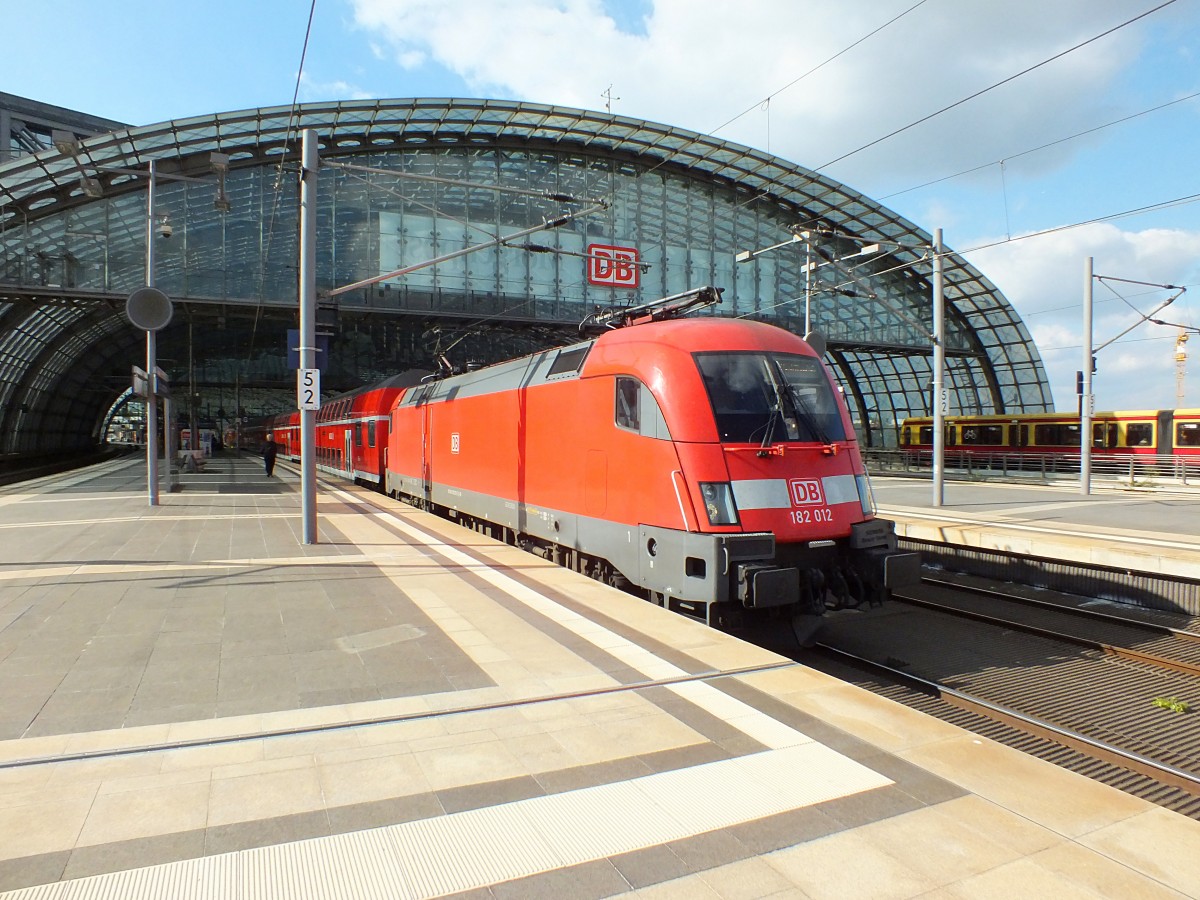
(687,200)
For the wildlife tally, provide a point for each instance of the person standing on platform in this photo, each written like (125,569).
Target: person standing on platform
(269,452)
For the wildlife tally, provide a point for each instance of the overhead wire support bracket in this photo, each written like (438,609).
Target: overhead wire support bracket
(1147,317)
(531,247)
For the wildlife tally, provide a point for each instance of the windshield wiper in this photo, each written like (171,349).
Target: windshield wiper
(804,413)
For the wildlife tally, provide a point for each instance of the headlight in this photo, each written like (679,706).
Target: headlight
(718,502)
(865,497)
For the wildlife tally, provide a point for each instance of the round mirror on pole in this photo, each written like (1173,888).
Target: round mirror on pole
(148,309)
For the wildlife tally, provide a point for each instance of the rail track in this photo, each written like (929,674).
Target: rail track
(1105,691)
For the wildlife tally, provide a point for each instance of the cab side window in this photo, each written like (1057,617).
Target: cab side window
(627,403)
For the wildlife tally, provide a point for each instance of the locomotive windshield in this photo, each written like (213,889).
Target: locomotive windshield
(768,398)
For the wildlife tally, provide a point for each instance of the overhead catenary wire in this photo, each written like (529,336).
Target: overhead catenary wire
(274,215)
(765,102)
(1040,147)
(992,87)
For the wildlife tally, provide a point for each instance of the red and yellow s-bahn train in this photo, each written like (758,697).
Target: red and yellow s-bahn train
(1167,432)
(707,463)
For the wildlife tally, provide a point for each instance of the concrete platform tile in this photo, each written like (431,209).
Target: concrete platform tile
(1026,878)
(1105,876)
(451,767)
(310,743)
(305,718)
(733,654)
(692,887)
(163,715)
(845,865)
(589,744)
(94,771)
(32,796)
(399,735)
(251,768)
(1018,834)
(269,701)
(43,827)
(153,694)
(17,781)
(404,706)
(788,680)
(102,678)
(132,814)
(1069,804)
(1159,843)
(461,739)
(151,782)
(206,758)
(369,780)
(27,871)
(888,725)
(481,720)
(645,734)
(747,879)
(935,844)
(115,738)
(539,753)
(264,795)
(116,857)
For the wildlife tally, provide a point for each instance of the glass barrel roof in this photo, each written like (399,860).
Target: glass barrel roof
(688,202)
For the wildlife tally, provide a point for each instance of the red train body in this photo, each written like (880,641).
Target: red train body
(710,463)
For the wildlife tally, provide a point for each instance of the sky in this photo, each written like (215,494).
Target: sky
(1034,133)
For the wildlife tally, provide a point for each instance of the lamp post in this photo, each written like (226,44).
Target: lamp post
(941,397)
(150,309)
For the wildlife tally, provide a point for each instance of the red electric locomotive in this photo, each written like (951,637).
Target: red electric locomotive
(710,462)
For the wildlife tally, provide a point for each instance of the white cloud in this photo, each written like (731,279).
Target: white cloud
(313,90)
(702,62)
(1043,277)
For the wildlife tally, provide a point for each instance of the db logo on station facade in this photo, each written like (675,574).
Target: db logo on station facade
(613,266)
(806,492)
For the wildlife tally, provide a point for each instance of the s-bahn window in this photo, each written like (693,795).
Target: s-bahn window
(767,398)
(1187,434)
(628,390)
(988,435)
(370,432)
(926,435)
(358,434)
(1139,434)
(1056,435)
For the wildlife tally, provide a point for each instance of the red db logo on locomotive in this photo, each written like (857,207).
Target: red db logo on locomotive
(806,492)
(613,266)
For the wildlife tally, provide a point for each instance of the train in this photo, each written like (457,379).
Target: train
(1158,433)
(706,463)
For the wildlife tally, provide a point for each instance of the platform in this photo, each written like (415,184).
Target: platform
(196,704)
(1148,530)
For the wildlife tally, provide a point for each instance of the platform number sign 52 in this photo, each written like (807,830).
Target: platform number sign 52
(308,388)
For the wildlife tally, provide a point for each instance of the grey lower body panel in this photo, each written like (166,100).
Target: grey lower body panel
(691,571)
